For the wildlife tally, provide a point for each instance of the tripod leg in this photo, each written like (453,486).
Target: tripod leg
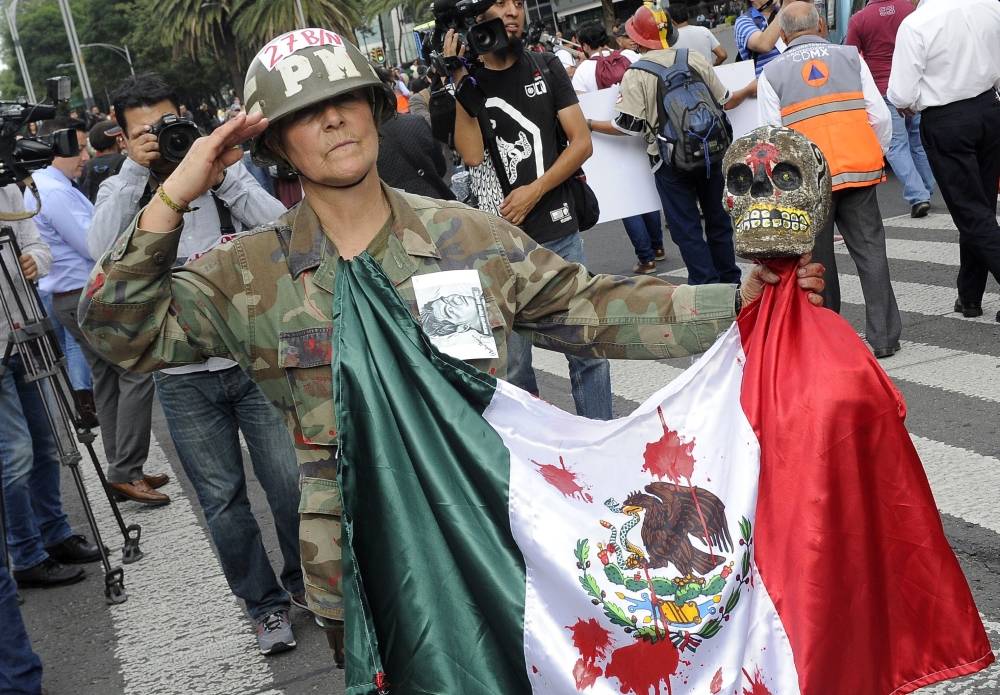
(114,584)
(131,533)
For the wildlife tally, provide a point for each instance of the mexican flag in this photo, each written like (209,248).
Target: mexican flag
(760,526)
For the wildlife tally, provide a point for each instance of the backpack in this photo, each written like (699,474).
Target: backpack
(610,69)
(693,131)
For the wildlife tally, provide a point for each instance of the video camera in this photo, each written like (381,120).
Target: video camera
(460,15)
(20,157)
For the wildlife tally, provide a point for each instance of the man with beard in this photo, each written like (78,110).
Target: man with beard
(532,106)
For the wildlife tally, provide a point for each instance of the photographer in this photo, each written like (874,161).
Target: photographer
(39,538)
(532,105)
(757,33)
(207,405)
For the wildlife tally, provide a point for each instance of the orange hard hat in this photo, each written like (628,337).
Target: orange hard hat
(651,28)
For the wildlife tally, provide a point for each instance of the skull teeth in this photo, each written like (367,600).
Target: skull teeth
(773,219)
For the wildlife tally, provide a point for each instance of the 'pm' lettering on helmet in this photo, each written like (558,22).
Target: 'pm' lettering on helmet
(295,69)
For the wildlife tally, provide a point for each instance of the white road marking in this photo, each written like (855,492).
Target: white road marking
(964,482)
(936,252)
(935,220)
(912,297)
(181,630)
(957,371)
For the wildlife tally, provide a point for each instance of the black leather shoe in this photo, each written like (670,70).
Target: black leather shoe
(968,309)
(48,573)
(75,550)
(881,353)
(920,209)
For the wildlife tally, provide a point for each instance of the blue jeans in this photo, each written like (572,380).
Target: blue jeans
(30,460)
(20,667)
(709,255)
(589,377)
(907,157)
(76,363)
(205,413)
(646,234)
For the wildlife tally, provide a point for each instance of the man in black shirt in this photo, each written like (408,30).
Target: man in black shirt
(531,106)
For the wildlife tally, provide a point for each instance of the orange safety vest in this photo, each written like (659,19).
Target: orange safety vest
(819,87)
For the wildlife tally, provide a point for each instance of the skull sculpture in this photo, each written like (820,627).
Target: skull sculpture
(777,191)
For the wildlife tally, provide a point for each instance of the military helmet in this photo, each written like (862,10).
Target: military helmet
(305,67)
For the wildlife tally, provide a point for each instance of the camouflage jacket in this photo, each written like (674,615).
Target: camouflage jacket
(265,299)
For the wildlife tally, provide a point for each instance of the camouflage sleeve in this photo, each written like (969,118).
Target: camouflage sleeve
(143,315)
(565,308)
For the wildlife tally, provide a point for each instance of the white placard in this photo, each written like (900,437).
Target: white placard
(736,76)
(618,171)
(453,314)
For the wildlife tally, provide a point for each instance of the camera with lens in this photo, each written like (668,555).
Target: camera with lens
(19,157)
(460,15)
(174,136)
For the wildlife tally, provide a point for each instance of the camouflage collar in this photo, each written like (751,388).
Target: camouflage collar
(308,245)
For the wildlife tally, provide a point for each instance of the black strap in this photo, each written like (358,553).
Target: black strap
(435,180)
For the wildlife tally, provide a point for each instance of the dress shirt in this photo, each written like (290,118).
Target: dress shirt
(879,118)
(31,244)
(118,204)
(946,51)
(63,224)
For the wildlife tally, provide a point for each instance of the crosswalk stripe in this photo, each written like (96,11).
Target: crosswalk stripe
(181,630)
(911,297)
(957,371)
(936,220)
(964,482)
(936,252)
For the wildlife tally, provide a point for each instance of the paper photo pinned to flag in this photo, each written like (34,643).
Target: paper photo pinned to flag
(453,314)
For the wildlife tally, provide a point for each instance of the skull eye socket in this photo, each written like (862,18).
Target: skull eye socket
(786,176)
(739,179)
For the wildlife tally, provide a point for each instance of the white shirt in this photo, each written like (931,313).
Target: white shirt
(946,51)
(879,118)
(585,77)
(565,57)
(699,39)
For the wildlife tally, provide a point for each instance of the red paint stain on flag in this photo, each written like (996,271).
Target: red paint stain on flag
(563,479)
(716,685)
(592,642)
(642,666)
(757,686)
(668,456)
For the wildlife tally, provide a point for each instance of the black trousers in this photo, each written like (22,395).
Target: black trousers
(962,140)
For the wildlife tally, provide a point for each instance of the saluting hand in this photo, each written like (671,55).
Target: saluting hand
(205,164)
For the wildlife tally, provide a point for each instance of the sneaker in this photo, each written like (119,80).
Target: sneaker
(48,573)
(920,209)
(644,268)
(274,633)
(659,255)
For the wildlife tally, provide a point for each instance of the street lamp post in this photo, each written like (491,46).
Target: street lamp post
(11,11)
(300,15)
(74,47)
(120,50)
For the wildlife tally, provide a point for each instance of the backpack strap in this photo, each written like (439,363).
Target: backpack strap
(225,216)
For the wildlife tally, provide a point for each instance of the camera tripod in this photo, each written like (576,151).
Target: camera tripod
(33,340)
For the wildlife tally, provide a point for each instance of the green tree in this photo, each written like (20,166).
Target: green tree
(204,30)
(260,22)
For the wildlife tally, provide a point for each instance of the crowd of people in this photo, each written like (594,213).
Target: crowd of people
(222,345)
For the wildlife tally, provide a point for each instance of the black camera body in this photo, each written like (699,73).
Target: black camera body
(174,136)
(19,157)
(460,15)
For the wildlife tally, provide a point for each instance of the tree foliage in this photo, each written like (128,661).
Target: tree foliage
(202,47)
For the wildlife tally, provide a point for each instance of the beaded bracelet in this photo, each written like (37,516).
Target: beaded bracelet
(162,195)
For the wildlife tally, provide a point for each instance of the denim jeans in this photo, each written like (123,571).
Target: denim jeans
(20,667)
(30,461)
(76,363)
(907,157)
(709,255)
(646,234)
(205,413)
(589,377)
